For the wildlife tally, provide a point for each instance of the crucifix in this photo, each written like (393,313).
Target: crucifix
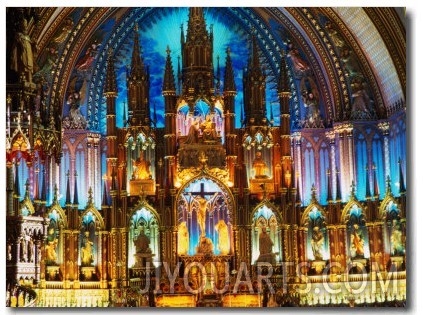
(203,203)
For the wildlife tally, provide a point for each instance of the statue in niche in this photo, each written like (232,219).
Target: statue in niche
(75,119)
(361,100)
(22,59)
(9,251)
(317,240)
(337,40)
(266,248)
(357,242)
(397,243)
(193,132)
(142,242)
(300,65)
(203,205)
(30,250)
(349,61)
(183,239)
(51,247)
(205,246)
(311,103)
(141,168)
(310,97)
(259,166)
(208,128)
(24,249)
(87,253)
(223,233)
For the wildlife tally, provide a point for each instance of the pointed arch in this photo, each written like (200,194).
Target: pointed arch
(266,217)
(306,214)
(143,218)
(205,212)
(354,216)
(352,204)
(54,245)
(385,205)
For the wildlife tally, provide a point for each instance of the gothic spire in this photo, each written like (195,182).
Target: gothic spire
(105,201)
(110,87)
(229,80)
(68,197)
(255,60)
(218,76)
(401,178)
(329,195)
(368,193)
(17,184)
(27,189)
(283,82)
(137,65)
(75,193)
(44,187)
(55,197)
(375,184)
(197,26)
(338,187)
(169,78)
(90,197)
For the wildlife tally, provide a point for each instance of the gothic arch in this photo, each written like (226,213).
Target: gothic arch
(306,214)
(345,216)
(205,216)
(143,218)
(266,216)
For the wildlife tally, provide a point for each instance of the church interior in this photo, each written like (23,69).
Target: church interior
(205,157)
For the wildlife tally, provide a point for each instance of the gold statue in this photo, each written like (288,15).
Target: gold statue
(183,239)
(22,55)
(259,166)
(317,240)
(141,168)
(209,130)
(223,243)
(87,255)
(357,242)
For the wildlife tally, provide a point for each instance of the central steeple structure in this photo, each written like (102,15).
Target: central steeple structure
(197,59)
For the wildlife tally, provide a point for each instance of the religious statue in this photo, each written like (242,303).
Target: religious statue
(141,168)
(30,250)
(142,242)
(24,249)
(265,243)
(87,255)
(224,243)
(51,246)
(317,240)
(311,103)
(337,40)
(74,120)
(361,100)
(397,244)
(9,251)
(201,214)
(300,65)
(193,132)
(205,246)
(22,54)
(357,242)
(259,166)
(209,130)
(183,238)
(202,204)
(266,248)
